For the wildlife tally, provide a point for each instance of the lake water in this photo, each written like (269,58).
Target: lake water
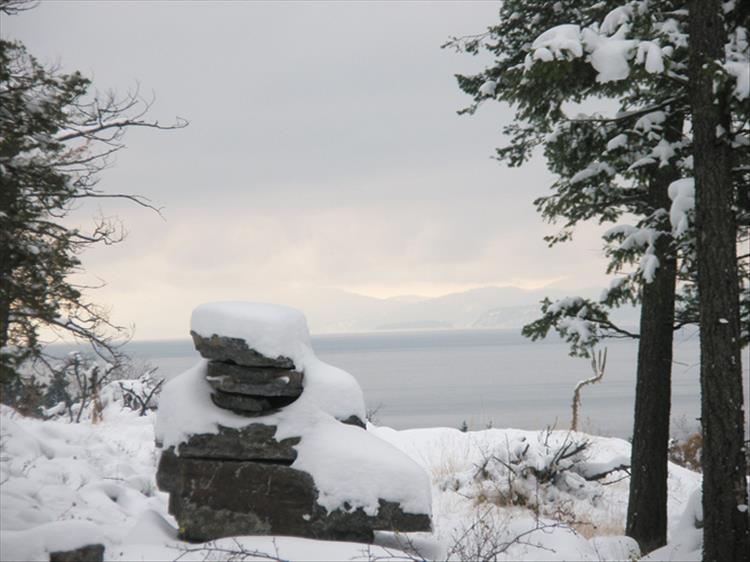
(443,378)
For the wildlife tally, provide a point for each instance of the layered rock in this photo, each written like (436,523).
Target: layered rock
(244,380)
(236,351)
(242,479)
(259,381)
(88,553)
(265,498)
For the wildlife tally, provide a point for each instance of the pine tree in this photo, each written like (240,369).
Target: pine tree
(55,139)
(633,163)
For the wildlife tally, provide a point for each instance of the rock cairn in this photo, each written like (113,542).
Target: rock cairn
(239,481)
(245,381)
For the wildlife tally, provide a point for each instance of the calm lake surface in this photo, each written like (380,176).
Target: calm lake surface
(442,378)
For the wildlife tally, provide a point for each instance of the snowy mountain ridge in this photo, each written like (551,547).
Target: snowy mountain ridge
(337,311)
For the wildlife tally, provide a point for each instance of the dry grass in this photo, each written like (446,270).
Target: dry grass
(687,452)
(589,530)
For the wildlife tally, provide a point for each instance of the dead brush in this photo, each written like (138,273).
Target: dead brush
(524,477)
(590,530)
(687,452)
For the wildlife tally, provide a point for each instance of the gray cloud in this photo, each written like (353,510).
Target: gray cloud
(324,151)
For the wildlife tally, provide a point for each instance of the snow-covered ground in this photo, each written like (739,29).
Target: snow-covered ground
(64,485)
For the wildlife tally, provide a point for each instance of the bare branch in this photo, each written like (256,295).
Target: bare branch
(598,364)
(137,199)
(91,132)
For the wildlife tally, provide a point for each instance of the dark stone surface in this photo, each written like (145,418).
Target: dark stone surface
(252,442)
(235,350)
(168,471)
(354,420)
(254,381)
(226,498)
(391,517)
(356,524)
(241,404)
(218,499)
(88,553)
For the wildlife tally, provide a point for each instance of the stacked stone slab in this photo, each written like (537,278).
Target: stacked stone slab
(245,381)
(239,481)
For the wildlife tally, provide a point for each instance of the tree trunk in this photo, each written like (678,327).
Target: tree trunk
(647,503)
(725,522)
(6,195)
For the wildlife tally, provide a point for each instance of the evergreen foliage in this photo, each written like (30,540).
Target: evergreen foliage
(546,58)
(55,139)
(630,166)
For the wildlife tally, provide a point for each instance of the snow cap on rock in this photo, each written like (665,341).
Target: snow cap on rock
(272,330)
(186,407)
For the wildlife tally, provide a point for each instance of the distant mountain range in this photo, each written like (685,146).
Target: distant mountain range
(333,310)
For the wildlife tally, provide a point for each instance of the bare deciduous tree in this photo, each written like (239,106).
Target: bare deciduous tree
(56,137)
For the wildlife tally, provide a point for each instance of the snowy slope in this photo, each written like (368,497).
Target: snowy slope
(64,485)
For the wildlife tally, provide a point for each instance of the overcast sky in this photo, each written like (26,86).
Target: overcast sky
(324,150)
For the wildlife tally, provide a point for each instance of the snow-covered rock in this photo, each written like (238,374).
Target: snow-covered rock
(244,454)
(270,329)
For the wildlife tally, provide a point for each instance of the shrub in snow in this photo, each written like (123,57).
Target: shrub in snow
(79,388)
(489,535)
(686,451)
(548,476)
(75,387)
(141,394)
(25,394)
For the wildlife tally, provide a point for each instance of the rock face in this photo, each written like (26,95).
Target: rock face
(261,498)
(236,351)
(240,481)
(245,381)
(88,553)
(258,381)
